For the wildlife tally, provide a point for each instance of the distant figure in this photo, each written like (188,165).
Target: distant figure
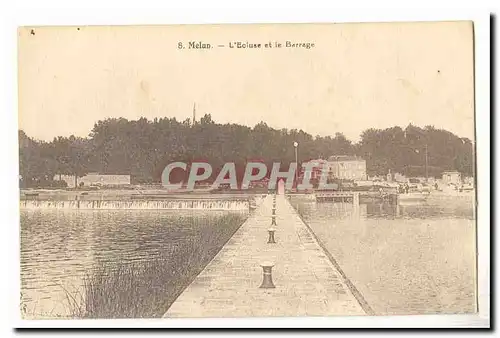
(436,186)
(407,188)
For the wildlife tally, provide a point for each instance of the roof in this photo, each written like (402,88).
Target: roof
(317,161)
(104,175)
(338,158)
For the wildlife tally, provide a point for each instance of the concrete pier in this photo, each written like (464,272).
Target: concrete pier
(306,281)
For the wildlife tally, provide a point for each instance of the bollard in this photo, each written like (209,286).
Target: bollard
(271,235)
(273,220)
(267,280)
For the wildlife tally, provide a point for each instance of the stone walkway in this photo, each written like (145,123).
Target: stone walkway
(307,283)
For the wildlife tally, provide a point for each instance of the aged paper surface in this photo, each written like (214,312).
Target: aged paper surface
(247,170)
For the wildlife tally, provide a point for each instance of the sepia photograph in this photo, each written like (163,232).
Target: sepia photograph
(247,170)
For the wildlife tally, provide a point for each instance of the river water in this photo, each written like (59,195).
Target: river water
(60,247)
(418,258)
(411,259)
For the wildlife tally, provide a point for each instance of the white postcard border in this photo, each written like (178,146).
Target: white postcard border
(127,13)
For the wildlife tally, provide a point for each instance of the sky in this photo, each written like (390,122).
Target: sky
(357,76)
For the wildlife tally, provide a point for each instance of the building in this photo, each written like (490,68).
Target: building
(95,179)
(315,173)
(400,178)
(347,167)
(468,180)
(390,176)
(452,177)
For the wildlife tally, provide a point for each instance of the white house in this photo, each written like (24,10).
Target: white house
(452,177)
(347,167)
(95,179)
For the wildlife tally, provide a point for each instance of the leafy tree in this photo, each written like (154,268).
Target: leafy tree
(142,148)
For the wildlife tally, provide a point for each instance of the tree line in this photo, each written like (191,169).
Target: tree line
(142,148)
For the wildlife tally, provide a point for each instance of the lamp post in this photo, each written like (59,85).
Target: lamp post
(426,162)
(296,145)
(426,165)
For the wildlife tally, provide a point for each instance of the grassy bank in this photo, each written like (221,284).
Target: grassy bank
(147,289)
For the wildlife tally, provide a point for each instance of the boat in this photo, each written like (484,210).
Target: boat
(466,188)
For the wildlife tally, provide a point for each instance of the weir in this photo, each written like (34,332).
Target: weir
(188,204)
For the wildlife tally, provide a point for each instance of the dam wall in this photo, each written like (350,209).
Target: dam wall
(237,205)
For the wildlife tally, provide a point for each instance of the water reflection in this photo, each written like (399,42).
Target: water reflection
(58,247)
(423,210)
(415,258)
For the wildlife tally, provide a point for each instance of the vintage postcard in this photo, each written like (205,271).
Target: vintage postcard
(247,170)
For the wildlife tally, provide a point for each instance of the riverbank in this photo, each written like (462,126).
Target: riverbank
(147,289)
(119,264)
